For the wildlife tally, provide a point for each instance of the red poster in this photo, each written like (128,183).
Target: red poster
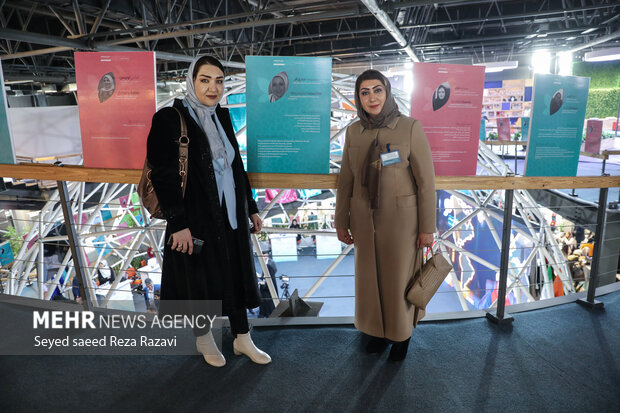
(594,131)
(503,129)
(116,100)
(447,99)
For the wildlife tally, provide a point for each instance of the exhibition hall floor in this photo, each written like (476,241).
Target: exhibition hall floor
(564,358)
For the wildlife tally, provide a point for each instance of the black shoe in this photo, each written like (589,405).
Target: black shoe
(376,345)
(399,350)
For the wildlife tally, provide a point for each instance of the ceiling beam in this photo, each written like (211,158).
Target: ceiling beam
(234,26)
(597,41)
(99,19)
(16,35)
(534,15)
(276,10)
(389,25)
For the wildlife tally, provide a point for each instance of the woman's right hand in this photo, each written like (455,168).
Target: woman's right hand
(344,236)
(182,241)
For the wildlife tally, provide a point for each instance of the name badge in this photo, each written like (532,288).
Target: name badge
(390,158)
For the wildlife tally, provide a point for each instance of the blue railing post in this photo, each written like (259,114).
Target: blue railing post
(74,244)
(599,236)
(501,317)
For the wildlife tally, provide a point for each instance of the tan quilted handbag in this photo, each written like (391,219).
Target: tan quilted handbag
(427,281)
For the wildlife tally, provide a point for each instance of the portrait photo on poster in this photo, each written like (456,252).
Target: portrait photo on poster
(106,87)
(441,95)
(278,86)
(556,101)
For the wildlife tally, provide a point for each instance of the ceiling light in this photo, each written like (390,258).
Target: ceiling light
(491,67)
(565,63)
(541,61)
(603,55)
(69,87)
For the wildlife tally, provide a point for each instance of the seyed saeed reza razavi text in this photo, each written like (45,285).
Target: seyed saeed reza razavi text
(55,320)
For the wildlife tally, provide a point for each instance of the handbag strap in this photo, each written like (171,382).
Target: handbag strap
(183,152)
(424,259)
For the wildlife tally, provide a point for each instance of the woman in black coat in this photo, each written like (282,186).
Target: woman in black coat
(216,207)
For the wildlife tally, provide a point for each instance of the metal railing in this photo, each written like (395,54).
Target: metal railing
(121,232)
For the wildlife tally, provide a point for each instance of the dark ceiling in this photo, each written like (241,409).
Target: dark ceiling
(37,38)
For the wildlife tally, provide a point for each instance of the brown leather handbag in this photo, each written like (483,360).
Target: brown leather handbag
(145,186)
(427,281)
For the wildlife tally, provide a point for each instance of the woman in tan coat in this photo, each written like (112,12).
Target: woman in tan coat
(386,198)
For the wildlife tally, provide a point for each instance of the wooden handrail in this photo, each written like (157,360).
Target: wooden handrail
(307,181)
(508,143)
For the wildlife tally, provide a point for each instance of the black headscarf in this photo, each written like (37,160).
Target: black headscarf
(389,110)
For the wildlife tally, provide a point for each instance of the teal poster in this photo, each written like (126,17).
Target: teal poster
(483,129)
(288,114)
(525,128)
(556,125)
(6,145)
(6,254)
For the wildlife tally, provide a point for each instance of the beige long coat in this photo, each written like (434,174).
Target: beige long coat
(386,257)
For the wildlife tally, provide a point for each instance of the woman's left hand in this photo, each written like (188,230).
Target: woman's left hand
(425,240)
(257,224)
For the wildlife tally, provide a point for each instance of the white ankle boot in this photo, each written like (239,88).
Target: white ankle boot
(212,355)
(243,344)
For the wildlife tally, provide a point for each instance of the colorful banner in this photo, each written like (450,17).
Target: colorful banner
(503,129)
(7,154)
(116,99)
(288,114)
(283,247)
(483,129)
(47,132)
(290,195)
(594,132)
(525,128)
(556,128)
(447,99)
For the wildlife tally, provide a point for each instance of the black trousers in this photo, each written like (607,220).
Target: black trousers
(238,318)
(238,324)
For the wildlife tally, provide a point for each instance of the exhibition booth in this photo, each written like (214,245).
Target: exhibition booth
(467,116)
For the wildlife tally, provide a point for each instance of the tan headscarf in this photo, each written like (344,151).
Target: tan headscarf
(371,170)
(390,109)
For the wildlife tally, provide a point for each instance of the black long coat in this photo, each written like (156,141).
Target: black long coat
(209,275)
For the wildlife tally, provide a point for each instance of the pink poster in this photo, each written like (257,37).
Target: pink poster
(503,129)
(116,100)
(594,131)
(447,99)
(290,195)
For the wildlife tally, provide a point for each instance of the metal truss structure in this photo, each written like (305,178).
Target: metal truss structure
(545,248)
(39,36)
(108,238)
